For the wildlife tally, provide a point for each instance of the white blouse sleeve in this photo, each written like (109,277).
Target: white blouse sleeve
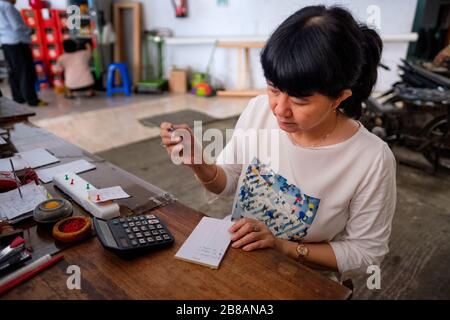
(365,239)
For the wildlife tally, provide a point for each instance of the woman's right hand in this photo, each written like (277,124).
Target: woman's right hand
(177,138)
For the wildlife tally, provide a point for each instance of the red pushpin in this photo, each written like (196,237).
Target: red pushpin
(98,197)
(71,182)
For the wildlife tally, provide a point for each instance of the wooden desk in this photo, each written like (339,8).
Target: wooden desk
(263,274)
(12,112)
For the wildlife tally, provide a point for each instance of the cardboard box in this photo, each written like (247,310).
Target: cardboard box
(178,81)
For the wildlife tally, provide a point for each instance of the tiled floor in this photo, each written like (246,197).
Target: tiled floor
(100,123)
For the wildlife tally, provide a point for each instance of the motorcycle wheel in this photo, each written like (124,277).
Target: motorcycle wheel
(435,130)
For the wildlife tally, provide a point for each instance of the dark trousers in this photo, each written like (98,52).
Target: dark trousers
(22,74)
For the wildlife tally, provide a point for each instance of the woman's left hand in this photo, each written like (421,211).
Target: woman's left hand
(250,234)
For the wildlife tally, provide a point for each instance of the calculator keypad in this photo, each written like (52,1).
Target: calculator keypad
(143,231)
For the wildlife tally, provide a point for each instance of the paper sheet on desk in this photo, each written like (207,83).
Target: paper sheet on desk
(208,243)
(78,166)
(33,159)
(18,163)
(107,194)
(12,205)
(2,141)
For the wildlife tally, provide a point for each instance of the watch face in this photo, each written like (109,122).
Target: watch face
(302,250)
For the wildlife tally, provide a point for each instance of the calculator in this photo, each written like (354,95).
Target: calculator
(133,235)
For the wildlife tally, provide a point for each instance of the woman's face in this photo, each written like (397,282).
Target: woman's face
(300,113)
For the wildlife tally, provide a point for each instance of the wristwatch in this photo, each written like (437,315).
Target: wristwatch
(302,251)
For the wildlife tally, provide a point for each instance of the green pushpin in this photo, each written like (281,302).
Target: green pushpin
(67,177)
(87,186)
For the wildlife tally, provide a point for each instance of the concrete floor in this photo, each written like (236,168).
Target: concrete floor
(101,123)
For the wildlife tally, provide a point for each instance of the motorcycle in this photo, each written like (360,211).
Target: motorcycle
(414,113)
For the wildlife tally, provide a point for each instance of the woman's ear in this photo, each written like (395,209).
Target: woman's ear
(344,95)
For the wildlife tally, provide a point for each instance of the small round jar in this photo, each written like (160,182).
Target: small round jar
(52,210)
(72,229)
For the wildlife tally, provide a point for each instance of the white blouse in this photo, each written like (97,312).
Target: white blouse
(344,194)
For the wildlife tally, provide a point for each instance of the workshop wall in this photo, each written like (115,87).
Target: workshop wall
(258,18)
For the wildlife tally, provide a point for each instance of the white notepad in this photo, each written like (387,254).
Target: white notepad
(106,194)
(78,166)
(13,206)
(33,159)
(208,243)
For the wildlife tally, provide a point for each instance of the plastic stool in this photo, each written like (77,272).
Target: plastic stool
(39,80)
(124,76)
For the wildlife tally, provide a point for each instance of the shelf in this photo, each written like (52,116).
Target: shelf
(240,93)
(210,40)
(402,37)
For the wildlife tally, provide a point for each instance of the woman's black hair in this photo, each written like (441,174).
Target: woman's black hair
(323,50)
(70,46)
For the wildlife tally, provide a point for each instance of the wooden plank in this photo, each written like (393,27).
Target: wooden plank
(240,93)
(119,46)
(241,44)
(137,43)
(248,70)
(392,38)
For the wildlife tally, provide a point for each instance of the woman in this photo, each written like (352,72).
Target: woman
(77,71)
(330,198)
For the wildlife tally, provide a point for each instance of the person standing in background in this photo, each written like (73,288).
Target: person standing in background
(15,39)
